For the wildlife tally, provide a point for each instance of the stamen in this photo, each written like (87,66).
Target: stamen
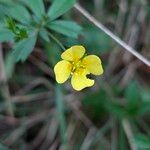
(77,67)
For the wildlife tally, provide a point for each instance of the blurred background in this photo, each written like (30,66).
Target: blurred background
(38,114)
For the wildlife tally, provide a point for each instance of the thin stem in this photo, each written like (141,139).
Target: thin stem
(57,41)
(129,134)
(109,33)
(4,86)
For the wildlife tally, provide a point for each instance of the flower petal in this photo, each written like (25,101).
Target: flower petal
(80,81)
(62,71)
(74,53)
(93,64)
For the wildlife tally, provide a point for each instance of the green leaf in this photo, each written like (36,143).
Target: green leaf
(3,9)
(68,28)
(144,108)
(95,104)
(37,7)
(116,109)
(145,94)
(132,93)
(59,7)
(44,34)
(18,12)
(142,141)
(135,106)
(23,48)
(6,1)
(6,35)
(53,52)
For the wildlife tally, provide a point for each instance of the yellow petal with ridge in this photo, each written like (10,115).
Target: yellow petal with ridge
(93,64)
(74,53)
(79,81)
(62,71)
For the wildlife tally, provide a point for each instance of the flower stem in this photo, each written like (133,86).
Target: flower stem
(4,86)
(57,41)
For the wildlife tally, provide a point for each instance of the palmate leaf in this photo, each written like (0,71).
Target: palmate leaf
(6,1)
(59,7)
(6,35)
(44,34)
(18,12)
(23,48)
(68,28)
(36,6)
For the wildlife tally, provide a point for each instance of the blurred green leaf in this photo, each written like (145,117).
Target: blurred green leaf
(144,108)
(116,109)
(44,34)
(18,12)
(6,1)
(6,35)
(145,95)
(22,34)
(142,141)
(53,53)
(23,48)
(10,24)
(37,7)
(3,9)
(59,7)
(132,93)
(122,143)
(133,97)
(68,28)
(19,32)
(95,104)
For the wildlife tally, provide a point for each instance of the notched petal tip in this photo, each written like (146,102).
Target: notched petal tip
(93,64)
(80,82)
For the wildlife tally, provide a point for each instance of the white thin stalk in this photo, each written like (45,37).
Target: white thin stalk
(109,33)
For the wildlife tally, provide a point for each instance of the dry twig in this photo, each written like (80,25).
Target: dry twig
(4,86)
(114,37)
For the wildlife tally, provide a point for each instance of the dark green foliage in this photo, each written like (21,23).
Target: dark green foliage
(142,141)
(36,6)
(96,118)
(23,24)
(68,28)
(23,48)
(58,8)
(95,104)
(19,33)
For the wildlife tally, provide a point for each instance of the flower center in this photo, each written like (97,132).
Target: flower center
(78,67)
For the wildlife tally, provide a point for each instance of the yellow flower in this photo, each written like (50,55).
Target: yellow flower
(76,64)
